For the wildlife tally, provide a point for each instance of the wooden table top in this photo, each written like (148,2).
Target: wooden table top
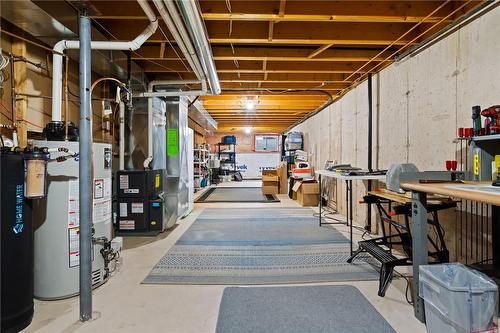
(475,191)
(405,198)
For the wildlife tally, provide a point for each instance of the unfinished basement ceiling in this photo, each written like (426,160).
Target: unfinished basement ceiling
(264,48)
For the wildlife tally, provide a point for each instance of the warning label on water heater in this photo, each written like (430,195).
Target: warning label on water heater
(74,247)
(101,213)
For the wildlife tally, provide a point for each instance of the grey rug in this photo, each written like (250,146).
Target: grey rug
(305,309)
(236,194)
(259,246)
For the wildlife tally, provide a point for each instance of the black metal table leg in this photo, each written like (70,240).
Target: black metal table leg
(350,215)
(320,199)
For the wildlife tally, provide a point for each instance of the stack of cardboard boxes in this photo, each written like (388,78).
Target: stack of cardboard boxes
(275,181)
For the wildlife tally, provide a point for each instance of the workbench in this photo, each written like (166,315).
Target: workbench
(474,191)
(348,196)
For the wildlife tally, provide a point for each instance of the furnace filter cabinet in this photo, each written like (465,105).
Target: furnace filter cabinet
(17,245)
(56,222)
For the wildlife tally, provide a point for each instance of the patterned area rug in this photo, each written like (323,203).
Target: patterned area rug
(259,246)
(236,194)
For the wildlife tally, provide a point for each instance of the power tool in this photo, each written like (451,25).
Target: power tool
(476,120)
(493,113)
(496,164)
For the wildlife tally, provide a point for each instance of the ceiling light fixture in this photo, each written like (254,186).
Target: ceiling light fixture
(250,104)
(248,130)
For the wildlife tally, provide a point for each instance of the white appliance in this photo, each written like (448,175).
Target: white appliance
(56,222)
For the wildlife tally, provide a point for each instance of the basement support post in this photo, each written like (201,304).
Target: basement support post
(368,226)
(85,171)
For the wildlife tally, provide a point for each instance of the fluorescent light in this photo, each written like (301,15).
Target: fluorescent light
(248,130)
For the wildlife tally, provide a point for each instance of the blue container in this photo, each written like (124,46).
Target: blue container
(229,139)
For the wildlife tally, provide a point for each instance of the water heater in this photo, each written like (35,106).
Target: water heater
(56,222)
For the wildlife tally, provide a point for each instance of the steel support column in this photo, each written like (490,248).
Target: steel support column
(85,171)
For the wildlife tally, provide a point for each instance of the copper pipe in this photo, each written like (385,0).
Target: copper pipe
(414,39)
(66,99)
(400,37)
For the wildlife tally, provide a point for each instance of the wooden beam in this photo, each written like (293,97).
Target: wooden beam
(21,87)
(318,18)
(306,41)
(283,53)
(271,31)
(281,12)
(162,50)
(264,68)
(264,98)
(319,50)
(286,81)
(256,67)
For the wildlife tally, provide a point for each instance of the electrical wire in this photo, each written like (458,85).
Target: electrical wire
(407,278)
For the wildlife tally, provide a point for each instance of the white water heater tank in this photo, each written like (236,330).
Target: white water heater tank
(56,222)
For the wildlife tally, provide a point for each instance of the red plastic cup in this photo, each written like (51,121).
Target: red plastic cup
(469,132)
(454,165)
(461,132)
(448,165)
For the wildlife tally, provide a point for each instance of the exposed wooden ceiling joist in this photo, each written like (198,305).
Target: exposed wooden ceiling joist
(284,45)
(317,18)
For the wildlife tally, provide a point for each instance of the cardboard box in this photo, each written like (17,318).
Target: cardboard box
(270,182)
(283,176)
(307,193)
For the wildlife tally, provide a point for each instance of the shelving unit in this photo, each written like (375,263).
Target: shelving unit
(201,156)
(227,158)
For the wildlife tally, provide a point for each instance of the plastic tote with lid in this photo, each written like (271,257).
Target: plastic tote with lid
(458,299)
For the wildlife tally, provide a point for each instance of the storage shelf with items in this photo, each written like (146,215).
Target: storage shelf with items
(200,161)
(227,156)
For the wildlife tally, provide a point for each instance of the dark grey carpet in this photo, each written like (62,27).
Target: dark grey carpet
(304,309)
(236,194)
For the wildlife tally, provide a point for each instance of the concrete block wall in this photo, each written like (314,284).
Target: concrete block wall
(419,103)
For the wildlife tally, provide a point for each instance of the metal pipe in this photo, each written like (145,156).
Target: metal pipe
(178,31)
(173,93)
(13,101)
(197,30)
(410,43)
(400,37)
(470,16)
(97,45)
(85,171)
(370,148)
(121,143)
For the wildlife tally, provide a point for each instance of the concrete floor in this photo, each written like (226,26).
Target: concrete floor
(123,304)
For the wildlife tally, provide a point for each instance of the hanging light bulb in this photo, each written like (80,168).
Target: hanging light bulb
(248,130)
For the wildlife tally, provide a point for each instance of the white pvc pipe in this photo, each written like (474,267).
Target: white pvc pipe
(121,146)
(96,45)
